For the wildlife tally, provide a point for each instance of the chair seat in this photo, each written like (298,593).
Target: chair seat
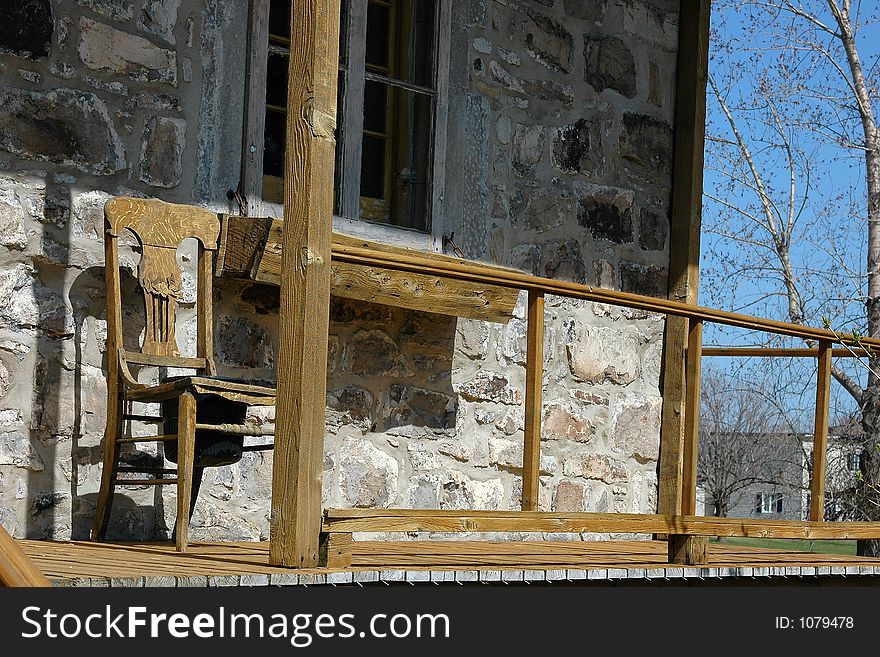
(248,392)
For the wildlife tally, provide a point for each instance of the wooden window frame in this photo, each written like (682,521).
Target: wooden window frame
(350,114)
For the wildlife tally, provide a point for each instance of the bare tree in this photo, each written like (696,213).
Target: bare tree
(794,111)
(744,442)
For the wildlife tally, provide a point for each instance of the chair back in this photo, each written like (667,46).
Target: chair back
(159,228)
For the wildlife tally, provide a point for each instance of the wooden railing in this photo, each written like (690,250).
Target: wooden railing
(682,530)
(16,568)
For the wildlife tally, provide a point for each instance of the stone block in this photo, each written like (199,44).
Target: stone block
(64,126)
(653,229)
(596,466)
(609,64)
(577,148)
(564,420)
(159,17)
(461,492)
(592,10)
(367,475)
(163,143)
(599,354)
(104,48)
(374,353)
(636,427)
(548,42)
(490,386)
(642,279)
(647,142)
(564,261)
(12,231)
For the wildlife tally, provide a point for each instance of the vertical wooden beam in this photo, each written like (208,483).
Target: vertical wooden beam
(692,418)
(820,435)
(255,107)
(534,373)
(684,237)
(205,309)
(186,443)
(305,283)
(691,550)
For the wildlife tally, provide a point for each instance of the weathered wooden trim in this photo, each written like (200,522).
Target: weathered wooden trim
(255,106)
(16,568)
(820,435)
(684,235)
(782,352)
(159,360)
(415,520)
(254,248)
(531,469)
(305,283)
(690,456)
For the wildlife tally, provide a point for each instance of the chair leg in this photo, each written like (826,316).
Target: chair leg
(186,438)
(108,473)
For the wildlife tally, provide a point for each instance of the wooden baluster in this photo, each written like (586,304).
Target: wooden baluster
(691,549)
(820,435)
(534,371)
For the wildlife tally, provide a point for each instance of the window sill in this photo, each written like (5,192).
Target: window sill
(394,235)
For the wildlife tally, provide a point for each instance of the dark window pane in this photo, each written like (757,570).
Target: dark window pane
(343,33)
(373,167)
(378,30)
(411,166)
(276,80)
(414,52)
(273,150)
(279,18)
(375,101)
(339,165)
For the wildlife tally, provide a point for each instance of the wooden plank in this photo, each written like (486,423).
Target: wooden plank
(820,435)
(684,238)
(205,310)
(690,456)
(253,249)
(412,520)
(414,262)
(79,559)
(778,352)
(534,375)
(16,568)
(186,442)
(161,360)
(481,273)
(255,106)
(305,283)
(688,550)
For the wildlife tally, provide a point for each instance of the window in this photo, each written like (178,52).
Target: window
(769,503)
(387,108)
(854,462)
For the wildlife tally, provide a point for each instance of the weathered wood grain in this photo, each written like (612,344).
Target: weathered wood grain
(305,283)
(820,434)
(534,375)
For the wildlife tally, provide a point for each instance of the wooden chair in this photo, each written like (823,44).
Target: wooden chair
(160,228)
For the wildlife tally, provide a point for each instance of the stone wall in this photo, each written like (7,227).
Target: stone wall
(559,111)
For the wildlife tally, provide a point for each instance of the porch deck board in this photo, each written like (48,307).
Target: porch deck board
(86,560)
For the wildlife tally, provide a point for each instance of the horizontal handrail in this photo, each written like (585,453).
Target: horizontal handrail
(782,352)
(487,274)
(16,568)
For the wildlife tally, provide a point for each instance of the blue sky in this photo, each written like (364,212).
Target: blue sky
(747,55)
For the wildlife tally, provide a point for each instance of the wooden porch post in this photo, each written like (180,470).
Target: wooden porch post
(305,283)
(684,239)
(534,374)
(820,436)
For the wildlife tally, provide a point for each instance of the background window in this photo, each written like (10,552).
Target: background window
(386,109)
